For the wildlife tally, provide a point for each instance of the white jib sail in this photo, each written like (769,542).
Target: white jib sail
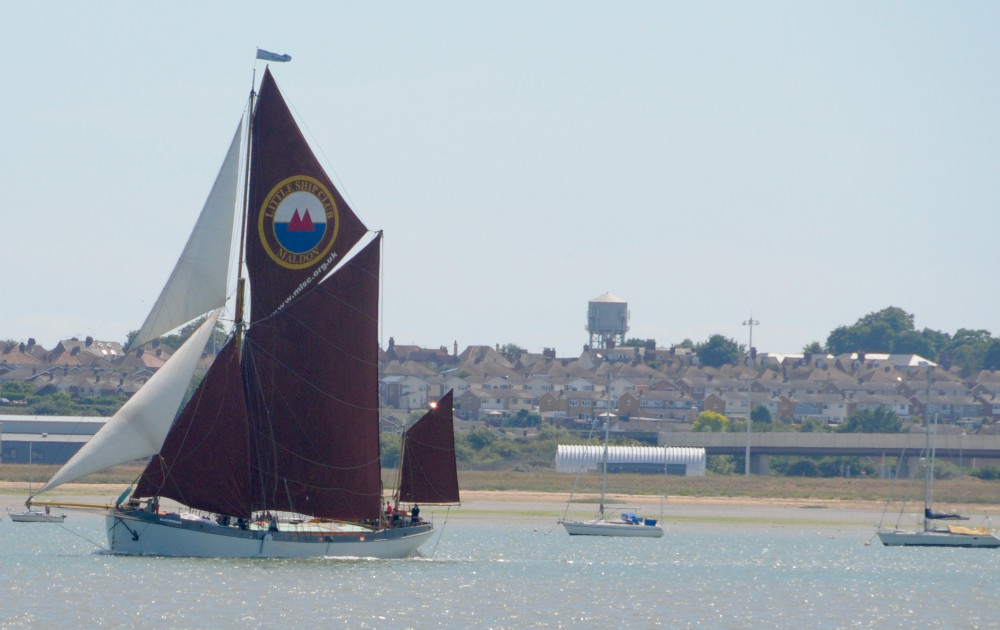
(141,425)
(199,280)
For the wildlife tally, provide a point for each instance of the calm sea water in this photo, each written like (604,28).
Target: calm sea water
(492,574)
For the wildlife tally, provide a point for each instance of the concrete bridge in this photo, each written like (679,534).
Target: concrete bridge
(968,450)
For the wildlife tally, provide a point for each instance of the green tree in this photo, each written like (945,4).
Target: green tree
(880,420)
(894,319)
(875,332)
(911,342)
(812,425)
(524,418)
(802,468)
(719,351)
(218,336)
(761,414)
(720,464)
(710,421)
(739,425)
(512,352)
(967,350)
(57,404)
(389,443)
(480,438)
(937,339)
(991,360)
(16,390)
(813,348)
(843,340)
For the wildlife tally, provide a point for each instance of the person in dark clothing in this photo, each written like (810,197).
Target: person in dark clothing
(415,514)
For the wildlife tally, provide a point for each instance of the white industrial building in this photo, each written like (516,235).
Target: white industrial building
(673,460)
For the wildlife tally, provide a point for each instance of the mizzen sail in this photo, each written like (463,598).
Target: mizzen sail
(428,471)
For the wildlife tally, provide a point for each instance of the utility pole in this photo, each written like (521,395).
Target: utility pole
(751,322)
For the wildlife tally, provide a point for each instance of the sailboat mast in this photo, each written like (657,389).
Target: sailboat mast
(929,466)
(399,467)
(240,279)
(607,428)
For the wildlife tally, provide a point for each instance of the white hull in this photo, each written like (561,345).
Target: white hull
(171,535)
(612,528)
(31,516)
(936,539)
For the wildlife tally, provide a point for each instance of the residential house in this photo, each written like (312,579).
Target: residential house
(405,392)
(553,405)
(898,404)
(658,405)
(495,405)
(580,385)
(583,405)
(538,385)
(455,384)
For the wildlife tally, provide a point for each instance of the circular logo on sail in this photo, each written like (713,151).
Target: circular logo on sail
(298,222)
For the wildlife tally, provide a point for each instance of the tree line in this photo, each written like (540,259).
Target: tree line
(890,330)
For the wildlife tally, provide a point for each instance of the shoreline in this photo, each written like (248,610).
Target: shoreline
(533,507)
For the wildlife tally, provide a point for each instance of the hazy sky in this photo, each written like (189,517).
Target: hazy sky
(810,162)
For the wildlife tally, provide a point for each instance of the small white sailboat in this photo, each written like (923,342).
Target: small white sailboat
(933,533)
(627,524)
(277,452)
(31,515)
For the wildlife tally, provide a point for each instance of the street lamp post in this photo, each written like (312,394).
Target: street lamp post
(751,322)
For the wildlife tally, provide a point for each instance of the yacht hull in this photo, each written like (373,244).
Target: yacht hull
(607,528)
(936,539)
(31,516)
(173,535)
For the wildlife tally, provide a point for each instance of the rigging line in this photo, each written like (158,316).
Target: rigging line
(381,297)
(261,433)
(79,535)
(342,188)
(441,533)
(892,487)
(912,482)
(579,470)
(288,495)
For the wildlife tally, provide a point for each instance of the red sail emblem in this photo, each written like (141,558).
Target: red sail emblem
(301,224)
(298,222)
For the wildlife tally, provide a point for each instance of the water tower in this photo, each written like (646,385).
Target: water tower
(607,321)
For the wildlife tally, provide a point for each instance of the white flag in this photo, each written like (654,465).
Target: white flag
(270,56)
